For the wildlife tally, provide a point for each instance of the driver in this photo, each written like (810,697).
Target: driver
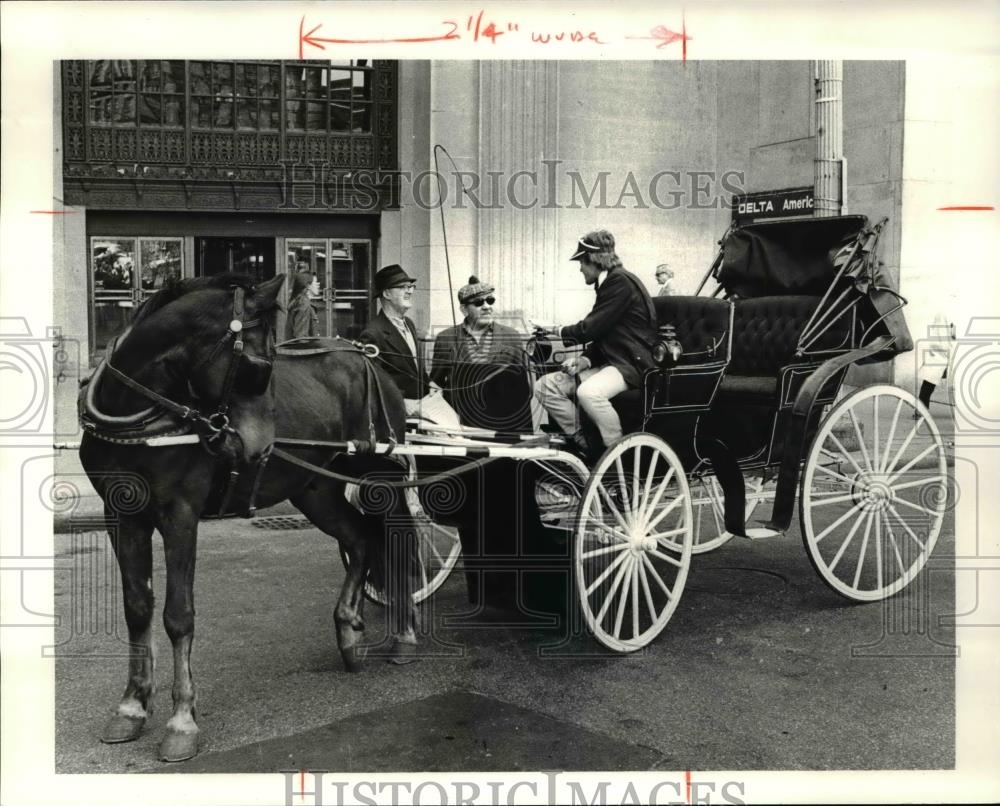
(619,334)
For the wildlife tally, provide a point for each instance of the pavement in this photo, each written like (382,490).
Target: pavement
(761,667)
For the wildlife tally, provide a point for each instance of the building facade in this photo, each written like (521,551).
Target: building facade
(197,167)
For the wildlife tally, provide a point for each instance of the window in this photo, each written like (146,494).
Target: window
(125,271)
(329,98)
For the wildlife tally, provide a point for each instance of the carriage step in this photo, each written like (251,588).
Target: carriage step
(763,533)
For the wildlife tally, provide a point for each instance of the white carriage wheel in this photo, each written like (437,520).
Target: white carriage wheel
(633,542)
(438,550)
(708,508)
(873,493)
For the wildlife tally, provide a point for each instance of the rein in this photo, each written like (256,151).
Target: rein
(214,425)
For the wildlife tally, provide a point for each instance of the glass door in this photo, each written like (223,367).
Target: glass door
(343,268)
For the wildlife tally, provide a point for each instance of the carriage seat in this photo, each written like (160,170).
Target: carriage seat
(703,327)
(766,332)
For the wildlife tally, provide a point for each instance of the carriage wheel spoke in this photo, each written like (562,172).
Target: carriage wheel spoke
(663,513)
(635,483)
(614,589)
(635,599)
(623,486)
(891,466)
(615,533)
(832,499)
(606,573)
(623,597)
(845,453)
(892,434)
(875,459)
(878,550)
(649,485)
(652,502)
(667,559)
(861,439)
(836,523)
(917,507)
(670,533)
(846,543)
(918,482)
(614,510)
(645,589)
(864,549)
(656,575)
(836,475)
(604,550)
(913,461)
(895,546)
(906,526)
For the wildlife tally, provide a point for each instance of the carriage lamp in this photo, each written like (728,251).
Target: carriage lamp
(667,346)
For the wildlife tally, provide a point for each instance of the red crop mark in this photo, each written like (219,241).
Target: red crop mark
(687,785)
(966,208)
(317,41)
(664,36)
(52,212)
(302,784)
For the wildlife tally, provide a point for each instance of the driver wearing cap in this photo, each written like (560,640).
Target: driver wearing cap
(619,334)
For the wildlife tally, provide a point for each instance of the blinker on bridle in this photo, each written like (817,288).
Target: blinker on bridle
(245,374)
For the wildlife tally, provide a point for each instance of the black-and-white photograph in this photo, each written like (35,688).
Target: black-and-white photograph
(575,424)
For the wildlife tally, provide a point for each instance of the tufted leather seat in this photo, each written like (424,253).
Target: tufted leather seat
(766,331)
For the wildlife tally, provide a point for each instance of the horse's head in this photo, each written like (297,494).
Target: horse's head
(230,352)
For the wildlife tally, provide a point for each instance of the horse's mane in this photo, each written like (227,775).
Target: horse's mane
(175,288)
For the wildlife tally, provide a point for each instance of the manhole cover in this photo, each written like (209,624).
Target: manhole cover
(735,581)
(282,522)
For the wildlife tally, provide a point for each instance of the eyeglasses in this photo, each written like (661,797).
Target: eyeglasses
(407,287)
(479,302)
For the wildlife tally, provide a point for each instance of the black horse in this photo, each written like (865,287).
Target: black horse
(206,345)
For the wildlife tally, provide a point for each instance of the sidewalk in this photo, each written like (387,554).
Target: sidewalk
(90,507)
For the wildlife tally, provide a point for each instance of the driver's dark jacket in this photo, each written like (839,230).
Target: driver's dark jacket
(620,329)
(408,372)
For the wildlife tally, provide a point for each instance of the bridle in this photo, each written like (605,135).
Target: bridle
(246,374)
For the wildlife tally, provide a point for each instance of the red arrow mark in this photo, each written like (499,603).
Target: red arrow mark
(966,208)
(665,37)
(317,41)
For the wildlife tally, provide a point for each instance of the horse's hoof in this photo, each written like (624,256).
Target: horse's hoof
(352,658)
(121,728)
(403,653)
(177,746)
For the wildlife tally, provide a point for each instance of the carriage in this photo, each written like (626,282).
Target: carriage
(751,412)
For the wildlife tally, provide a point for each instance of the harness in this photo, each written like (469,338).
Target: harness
(249,374)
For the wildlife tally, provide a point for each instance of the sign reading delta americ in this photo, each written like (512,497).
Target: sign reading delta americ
(772,204)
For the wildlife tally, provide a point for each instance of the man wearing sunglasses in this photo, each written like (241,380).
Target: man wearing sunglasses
(478,339)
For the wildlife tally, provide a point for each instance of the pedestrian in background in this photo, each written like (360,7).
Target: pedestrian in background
(664,278)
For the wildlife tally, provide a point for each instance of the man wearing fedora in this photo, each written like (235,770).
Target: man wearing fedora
(619,334)
(394,333)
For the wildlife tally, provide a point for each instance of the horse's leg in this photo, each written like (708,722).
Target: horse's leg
(131,540)
(400,536)
(180,538)
(325,505)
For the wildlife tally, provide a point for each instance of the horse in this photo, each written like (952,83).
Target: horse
(203,344)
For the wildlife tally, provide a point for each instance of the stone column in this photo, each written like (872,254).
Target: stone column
(518,130)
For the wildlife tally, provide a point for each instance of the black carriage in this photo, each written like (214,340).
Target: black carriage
(751,411)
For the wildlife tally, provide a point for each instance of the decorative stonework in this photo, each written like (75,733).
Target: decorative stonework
(518,124)
(155,141)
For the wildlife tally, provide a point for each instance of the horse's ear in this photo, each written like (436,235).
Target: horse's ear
(266,294)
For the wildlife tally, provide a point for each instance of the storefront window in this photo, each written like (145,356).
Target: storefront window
(343,268)
(125,271)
